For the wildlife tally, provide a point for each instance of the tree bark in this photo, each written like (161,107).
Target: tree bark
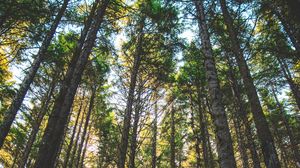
(85,147)
(69,148)
(11,113)
(16,156)
(282,149)
(293,86)
(133,146)
(288,129)
(133,80)
(74,151)
(206,133)
(36,124)
(87,121)
(172,139)
(240,141)
(224,141)
(202,129)
(196,138)
(58,119)
(57,161)
(289,31)
(154,137)
(242,113)
(264,133)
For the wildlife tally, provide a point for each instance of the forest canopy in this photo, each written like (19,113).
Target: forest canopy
(149,83)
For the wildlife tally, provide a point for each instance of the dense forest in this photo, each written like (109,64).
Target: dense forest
(150,83)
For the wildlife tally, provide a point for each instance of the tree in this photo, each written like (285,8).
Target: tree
(54,131)
(267,144)
(150,83)
(224,143)
(11,113)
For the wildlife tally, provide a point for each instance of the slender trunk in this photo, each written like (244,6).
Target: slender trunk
(130,98)
(289,31)
(264,133)
(154,137)
(57,161)
(295,90)
(133,146)
(242,114)
(196,138)
(86,124)
(69,148)
(179,159)
(293,86)
(288,129)
(252,146)
(58,119)
(172,139)
(197,143)
(85,147)
(241,142)
(202,129)
(210,152)
(16,156)
(11,113)
(224,141)
(282,149)
(207,135)
(36,124)
(74,151)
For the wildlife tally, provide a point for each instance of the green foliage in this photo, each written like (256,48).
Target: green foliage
(171,74)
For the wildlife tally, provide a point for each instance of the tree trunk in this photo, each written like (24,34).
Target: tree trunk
(56,163)
(154,137)
(240,141)
(36,124)
(197,141)
(16,156)
(74,151)
(196,138)
(242,113)
(293,86)
(85,147)
(172,139)
(282,149)
(264,133)
(207,139)
(11,113)
(69,148)
(58,119)
(224,141)
(77,50)
(87,121)
(210,152)
(133,80)
(288,129)
(202,129)
(133,146)
(289,31)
